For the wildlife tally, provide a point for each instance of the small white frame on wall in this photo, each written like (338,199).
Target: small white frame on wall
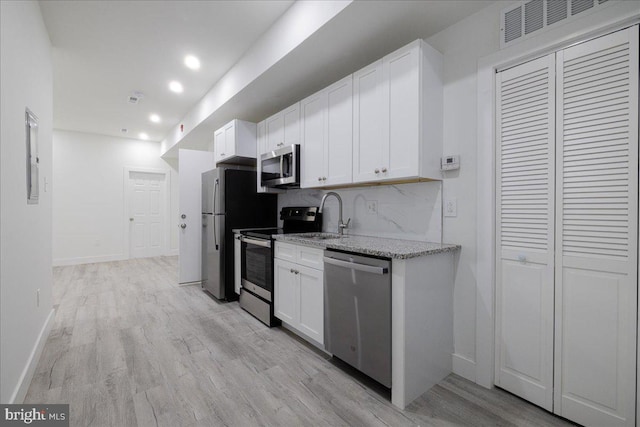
(33,161)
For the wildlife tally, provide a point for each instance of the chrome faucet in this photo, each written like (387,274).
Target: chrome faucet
(341,225)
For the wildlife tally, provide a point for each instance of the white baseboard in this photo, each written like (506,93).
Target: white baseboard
(88,260)
(27,373)
(464,367)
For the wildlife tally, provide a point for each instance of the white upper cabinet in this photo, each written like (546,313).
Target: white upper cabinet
(368,128)
(235,139)
(327,136)
(397,116)
(283,128)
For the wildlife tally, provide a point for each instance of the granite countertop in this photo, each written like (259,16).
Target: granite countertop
(376,246)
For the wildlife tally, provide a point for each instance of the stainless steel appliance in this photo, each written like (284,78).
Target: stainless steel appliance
(229,200)
(281,167)
(256,292)
(357,312)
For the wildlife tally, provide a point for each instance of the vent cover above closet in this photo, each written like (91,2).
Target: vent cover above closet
(533,16)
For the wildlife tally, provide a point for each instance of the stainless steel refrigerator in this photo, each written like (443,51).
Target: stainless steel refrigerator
(229,201)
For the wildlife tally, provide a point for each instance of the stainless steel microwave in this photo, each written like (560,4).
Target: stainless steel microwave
(281,167)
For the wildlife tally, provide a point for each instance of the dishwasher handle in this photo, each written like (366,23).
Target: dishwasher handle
(356,266)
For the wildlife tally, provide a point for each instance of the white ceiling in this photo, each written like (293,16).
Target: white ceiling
(103,50)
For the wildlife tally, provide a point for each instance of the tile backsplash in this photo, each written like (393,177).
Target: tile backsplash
(402,211)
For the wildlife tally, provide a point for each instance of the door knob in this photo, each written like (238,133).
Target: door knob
(377,170)
(183,216)
(183,226)
(130,219)
(384,170)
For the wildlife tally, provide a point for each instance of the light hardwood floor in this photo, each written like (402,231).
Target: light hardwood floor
(130,347)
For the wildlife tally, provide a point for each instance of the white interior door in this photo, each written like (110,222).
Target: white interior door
(191,164)
(147,198)
(525,99)
(596,230)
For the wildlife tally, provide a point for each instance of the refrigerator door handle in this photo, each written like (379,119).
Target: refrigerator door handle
(215,198)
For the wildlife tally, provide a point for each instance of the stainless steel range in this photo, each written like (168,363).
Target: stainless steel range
(256,292)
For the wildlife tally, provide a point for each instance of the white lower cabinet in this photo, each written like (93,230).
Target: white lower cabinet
(299,290)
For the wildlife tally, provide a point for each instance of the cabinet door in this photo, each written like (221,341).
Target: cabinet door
(369,135)
(285,291)
(338,152)
(313,110)
(218,145)
(291,123)
(275,132)
(230,139)
(524,225)
(400,159)
(311,300)
(596,230)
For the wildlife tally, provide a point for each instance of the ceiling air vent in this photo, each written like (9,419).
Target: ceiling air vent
(579,6)
(529,17)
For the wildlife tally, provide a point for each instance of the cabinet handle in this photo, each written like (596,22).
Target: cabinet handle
(291,270)
(319,179)
(280,144)
(324,178)
(221,154)
(377,170)
(384,170)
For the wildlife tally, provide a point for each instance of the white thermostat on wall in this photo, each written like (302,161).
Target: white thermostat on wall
(449,163)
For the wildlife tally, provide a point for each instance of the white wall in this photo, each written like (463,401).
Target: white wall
(89,202)
(470,47)
(461,53)
(25,230)
(404,211)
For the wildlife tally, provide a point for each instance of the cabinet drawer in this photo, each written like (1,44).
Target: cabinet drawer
(310,257)
(285,251)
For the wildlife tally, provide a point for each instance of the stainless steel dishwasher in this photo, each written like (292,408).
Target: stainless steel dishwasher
(357,312)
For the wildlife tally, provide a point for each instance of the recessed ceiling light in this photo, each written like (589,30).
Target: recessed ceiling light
(154,118)
(176,87)
(143,135)
(192,62)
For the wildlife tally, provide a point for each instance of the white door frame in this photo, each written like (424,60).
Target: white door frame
(616,16)
(127,201)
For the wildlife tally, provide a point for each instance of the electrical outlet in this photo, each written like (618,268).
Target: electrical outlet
(372,207)
(451,207)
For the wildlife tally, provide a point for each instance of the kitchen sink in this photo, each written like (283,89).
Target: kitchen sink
(324,237)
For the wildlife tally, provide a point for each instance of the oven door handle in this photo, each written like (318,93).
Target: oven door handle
(263,243)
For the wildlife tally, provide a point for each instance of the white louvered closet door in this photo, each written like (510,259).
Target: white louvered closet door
(525,209)
(596,231)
